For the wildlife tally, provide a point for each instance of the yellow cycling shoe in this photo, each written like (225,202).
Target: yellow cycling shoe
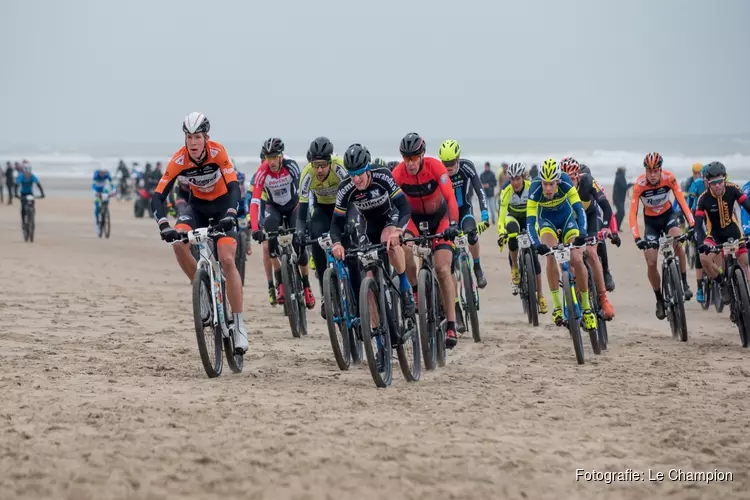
(311,263)
(515,276)
(557,316)
(589,320)
(542,305)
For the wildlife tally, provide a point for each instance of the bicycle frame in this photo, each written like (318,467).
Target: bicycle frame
(342,271)
(562,256)
(462,244)
(204,241)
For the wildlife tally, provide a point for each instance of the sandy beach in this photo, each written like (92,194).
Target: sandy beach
(104,395)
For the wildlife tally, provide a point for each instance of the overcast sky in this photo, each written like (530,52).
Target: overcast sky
(77,71)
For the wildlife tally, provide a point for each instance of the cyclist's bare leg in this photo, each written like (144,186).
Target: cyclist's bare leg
(411,265)
(580,272)
(553,269)
(652,256)
(710,264)
(679,250)
(596,267)
(227,247)
(513,258)
(267,262)
(185,259)
(443,260)
(742,259)
(474,250)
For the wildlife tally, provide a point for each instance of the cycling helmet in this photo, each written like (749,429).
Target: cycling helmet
(357,159)
(550,171)
(715,169)
(196,123)
(449,151)
(378,163)
(412,145)
(273,147)
(653,161)
(697,168)
(570,166)
(240,177)
(320,149)
(517,169)
(262,154)
(585,170)
(392,164)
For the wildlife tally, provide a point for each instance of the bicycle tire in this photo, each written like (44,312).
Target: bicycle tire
(743,311)
(717,296)
(337,330)
(707,296)
(596,307)
(441,351)
(679,298)
(107,224)
(573,326)
(213,367)
(427,318)
(25,227)
(690,254)
(301,306)
(290,305)
(470,308)
(530,277)
(32,224)
(355,334)
(240,257)
(385,378)
(666,292)
(235,361)
(410,364)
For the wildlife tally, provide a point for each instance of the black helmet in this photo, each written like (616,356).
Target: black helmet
(412,144)
(262,154)
(584,169)
(378,163)
(715,169)
(320,149)
(391,165)
(356,158)
(273,147)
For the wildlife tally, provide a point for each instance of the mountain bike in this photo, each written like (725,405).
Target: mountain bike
(294,295)
(380,302)
(240,258)
(468,291)
(210,309)
(671,285)
(601,321)
(736,281)
(28,219)
(527,289)
(340,305)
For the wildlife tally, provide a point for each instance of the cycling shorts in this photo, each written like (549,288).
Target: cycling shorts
(657,225)
(201,213)
(561,221)
(437,224)
(719,236)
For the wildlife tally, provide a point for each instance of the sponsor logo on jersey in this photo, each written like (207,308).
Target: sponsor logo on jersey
(180,160)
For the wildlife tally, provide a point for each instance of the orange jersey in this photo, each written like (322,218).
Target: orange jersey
(656,199)
(207,180)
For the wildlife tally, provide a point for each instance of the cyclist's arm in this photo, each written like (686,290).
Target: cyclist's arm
(633,215)
(162,191)
(305,182)
(338,221)
(682,202)
(401,204)
(446,189)
(503,213)
(39,185)
(603,202)
(229,174)
(476,184)
(532,208)
(700,215)
(258,188)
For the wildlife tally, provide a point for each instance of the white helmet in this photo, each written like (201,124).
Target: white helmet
(196,123)
(516,170)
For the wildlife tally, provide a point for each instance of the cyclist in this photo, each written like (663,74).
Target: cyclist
(101,180)
(391,165)
(261,219)
(601,248)
(592,198)
(180,195)
(465,179)
(511,220)
(554,204)
(694,191)
(214,195)
(427,187)
(716,206)
(652,188)
(695,187)
(383,212)
(278,177)
(25,182)
(319,181)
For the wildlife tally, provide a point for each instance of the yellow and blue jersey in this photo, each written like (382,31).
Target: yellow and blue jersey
(563,212)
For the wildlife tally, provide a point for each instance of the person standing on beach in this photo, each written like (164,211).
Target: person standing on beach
(10,181)
(489,183)
(619,193)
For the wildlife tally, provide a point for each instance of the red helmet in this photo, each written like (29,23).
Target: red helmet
(570,166)
(653,161)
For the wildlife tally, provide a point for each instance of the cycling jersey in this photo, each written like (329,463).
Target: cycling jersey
(324,191)
(210,179)
(26,183)
(382,201)
(513,204)
(656,200)
(100,181)
(694,191)
(430,191)
(556,213)
(744,214)
(593,198)
(280,188)
(719,214)
(464,181)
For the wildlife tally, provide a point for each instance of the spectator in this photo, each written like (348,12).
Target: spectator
(619,193)
(487,178)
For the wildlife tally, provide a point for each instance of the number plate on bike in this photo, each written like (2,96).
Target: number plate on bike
(325,242)
(199,235)
(423,251)
(285,240)
(562,255)
(368,258)
(523,241)
(242,223)
(462,241)
(29,197)
(731,248)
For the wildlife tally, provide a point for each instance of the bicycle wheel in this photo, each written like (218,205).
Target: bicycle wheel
(25,226)
(32,224)
(299,294)
(335,319)
(742,309)
(241,258)
(427,318)
(407,348)
(235,361)
(690,254)
(594,299)
(290,303)
(470,307)
(208,336)
(573,326)
(441,324)
(679,302)
(377,341)
(717,296)
(529,277)
(355,333)
(706,293)
(106,224)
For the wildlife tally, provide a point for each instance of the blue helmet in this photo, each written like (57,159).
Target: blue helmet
(240,177)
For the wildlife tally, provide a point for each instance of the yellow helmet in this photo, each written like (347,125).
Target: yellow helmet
(697,167)
(550,171)
(449,151)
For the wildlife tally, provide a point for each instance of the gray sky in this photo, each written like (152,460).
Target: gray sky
(78,71)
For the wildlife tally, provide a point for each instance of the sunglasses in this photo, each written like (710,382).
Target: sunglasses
(411,159)
(360,171)
(449,164)
(320,164)
(716,182)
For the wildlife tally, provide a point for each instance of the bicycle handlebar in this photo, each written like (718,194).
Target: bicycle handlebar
(199,235)
(666,240)
(726,245)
